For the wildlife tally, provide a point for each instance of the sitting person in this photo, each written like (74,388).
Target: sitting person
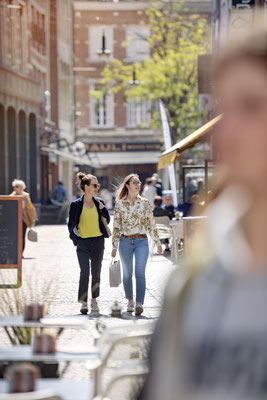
(169,207)
(159,211)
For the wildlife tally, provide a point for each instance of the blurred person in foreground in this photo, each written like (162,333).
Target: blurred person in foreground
(211,339)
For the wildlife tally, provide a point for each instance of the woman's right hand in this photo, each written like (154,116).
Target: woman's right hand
(114,253)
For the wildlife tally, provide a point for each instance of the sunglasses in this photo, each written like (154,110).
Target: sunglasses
(136,182)
(96,185)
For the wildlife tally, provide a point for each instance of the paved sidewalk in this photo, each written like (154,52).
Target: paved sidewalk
(53,259)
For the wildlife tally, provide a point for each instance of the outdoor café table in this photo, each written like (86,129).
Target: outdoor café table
(68,390)
(13,322)
(24,353)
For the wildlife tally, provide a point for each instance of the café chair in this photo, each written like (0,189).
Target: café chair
(126,381)
(126,343)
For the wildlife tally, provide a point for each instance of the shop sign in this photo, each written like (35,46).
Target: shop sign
(121,147)
(243,3)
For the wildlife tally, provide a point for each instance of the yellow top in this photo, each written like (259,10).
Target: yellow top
(89,223)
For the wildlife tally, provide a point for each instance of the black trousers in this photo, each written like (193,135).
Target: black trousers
(90,249)
(24,228)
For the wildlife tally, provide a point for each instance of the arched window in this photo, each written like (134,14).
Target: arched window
(2,151)
(12,145)
(22,146)
(33,156)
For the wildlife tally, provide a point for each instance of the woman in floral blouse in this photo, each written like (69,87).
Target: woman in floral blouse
(133,220)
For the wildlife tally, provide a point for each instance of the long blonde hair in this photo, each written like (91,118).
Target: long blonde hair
(122,191)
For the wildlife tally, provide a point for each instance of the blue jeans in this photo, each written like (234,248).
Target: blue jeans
(129,248)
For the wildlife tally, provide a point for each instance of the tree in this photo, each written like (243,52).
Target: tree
(169,73)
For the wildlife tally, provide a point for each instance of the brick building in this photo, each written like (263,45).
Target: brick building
(116,133)
(36,102)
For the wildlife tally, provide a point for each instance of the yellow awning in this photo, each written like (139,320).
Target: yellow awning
(168,157)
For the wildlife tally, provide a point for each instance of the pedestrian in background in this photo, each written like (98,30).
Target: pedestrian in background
(87,219)
(133,220)
(190,188)
(59,194)
(159,185)
(210,342)
(29,214)
(150,191)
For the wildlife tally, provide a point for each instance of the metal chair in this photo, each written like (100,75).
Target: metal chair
(126,381)
(165,232)
(118,345)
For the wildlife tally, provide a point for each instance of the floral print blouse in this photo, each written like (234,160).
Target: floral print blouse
(133,219)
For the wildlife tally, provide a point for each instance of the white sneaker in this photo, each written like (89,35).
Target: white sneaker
(84,308)
(130,306)
(94,306)
(139,309)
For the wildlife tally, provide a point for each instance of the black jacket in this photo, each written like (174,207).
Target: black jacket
(74,217)
(160,212)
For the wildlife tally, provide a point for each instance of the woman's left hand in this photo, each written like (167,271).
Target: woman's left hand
(101,205)
(160,250)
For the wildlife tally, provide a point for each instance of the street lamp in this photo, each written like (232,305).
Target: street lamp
(134,81)
(103,51)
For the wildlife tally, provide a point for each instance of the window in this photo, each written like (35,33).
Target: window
(96,33)
(102,110)
(138,114)
(137,46)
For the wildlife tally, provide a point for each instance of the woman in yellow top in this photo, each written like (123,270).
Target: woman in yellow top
(87,218)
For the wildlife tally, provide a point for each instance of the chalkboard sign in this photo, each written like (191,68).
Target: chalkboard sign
(11,235)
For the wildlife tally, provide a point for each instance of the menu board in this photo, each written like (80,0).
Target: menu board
(11,233)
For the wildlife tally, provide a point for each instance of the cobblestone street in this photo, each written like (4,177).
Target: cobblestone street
(53,259)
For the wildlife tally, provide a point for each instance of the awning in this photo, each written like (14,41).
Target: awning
(168,157)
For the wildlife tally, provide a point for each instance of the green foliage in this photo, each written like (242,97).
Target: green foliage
(170,72)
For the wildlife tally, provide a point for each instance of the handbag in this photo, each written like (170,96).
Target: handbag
(114,273)
(106,226)
(32,235)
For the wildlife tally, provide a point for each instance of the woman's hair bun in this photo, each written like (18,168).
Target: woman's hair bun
(80,175)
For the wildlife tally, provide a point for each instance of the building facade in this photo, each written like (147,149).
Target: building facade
(36,103)
(230,17)
(116,133)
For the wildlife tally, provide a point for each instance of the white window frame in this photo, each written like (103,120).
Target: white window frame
(137,49)
(95,33)
(105,118)
(138,113)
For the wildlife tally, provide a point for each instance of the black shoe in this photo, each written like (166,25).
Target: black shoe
(84,308)
(139,309)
